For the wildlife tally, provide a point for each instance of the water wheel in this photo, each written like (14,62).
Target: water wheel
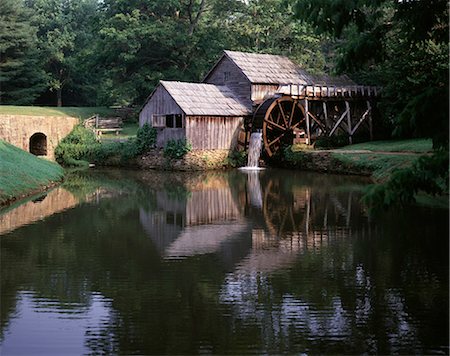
(280,118)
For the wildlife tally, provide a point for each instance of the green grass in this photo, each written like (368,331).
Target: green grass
(22,173)
(79,112)
(381,165)
(129,129)
(413,145)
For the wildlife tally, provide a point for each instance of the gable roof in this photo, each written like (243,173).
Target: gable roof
(274,69)
(205,99)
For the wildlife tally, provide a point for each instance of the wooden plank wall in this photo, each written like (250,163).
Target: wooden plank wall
(213,132)
(236,80)
(166,134)
(259,91)
(160,103)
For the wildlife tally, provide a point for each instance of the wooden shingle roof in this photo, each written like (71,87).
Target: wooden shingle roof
(205,99)
(268,68)
(274,69)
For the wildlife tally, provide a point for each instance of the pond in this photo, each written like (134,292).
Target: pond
(221,262)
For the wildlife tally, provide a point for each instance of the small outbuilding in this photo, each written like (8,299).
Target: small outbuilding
(207,116)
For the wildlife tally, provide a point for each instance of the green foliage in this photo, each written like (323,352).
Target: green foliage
(145,138)
(77,147)
(81,147)
(428,174)
(400,45)
(22,173)
(22,78)
(177,148)
(326,142)
(237,159)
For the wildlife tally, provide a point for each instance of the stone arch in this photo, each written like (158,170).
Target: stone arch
(38,144)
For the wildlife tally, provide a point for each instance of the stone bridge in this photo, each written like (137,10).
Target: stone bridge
(38,135)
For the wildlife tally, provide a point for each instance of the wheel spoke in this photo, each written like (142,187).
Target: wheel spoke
(276,140)
(275,124)
(292,113)
(282,114)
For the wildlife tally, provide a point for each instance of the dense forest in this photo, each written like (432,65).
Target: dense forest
(113,52)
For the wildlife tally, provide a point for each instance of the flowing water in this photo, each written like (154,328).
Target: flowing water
(254,150)
(226,262)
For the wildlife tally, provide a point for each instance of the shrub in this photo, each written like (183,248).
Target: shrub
(75,148)
(177,148)
(237,158)
(145,138)
(81,146)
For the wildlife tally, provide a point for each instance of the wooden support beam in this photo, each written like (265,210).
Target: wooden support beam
(307,122)
(370,120)
(316,120)
(338,122)
(364,116)
(325,113)
(349,122)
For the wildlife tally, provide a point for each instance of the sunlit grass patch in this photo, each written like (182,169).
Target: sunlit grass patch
(22,173)
(79,112)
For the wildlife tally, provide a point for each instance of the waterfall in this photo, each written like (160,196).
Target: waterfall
(254,149)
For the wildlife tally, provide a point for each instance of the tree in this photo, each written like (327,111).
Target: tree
(22,78)
(66,37)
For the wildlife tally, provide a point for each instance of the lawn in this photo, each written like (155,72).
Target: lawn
(419,145)
(381,165)
(80,112)
(129,129)
(22,173)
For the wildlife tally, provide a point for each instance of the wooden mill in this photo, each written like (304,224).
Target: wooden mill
(248,92)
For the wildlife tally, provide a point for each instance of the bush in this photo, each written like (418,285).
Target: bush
(75,148)
(81,146)
(145,138)
(237,159)
(177,148)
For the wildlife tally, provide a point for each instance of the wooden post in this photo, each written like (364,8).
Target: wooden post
(307,122)
(96,121)
(349,122)
(325,113)
(369,108)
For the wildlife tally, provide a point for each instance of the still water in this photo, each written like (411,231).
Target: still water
(220,263)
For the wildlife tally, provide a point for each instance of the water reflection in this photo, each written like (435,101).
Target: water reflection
(228,262)
(55,201)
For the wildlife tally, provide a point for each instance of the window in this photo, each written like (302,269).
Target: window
(169,120)
(226,76)
(178,120)
(158,120)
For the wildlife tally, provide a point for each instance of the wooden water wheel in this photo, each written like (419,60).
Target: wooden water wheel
(281,118)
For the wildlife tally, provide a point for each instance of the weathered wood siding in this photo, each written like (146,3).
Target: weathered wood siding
(259,91)
(227,73)
(166,134)
(161,103)
(213,132)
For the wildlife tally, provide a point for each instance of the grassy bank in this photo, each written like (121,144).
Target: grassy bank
(79,112)
(22,173)
(377,158)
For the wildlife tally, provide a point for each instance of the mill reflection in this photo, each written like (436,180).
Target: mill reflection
(193,219)
(274,216)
